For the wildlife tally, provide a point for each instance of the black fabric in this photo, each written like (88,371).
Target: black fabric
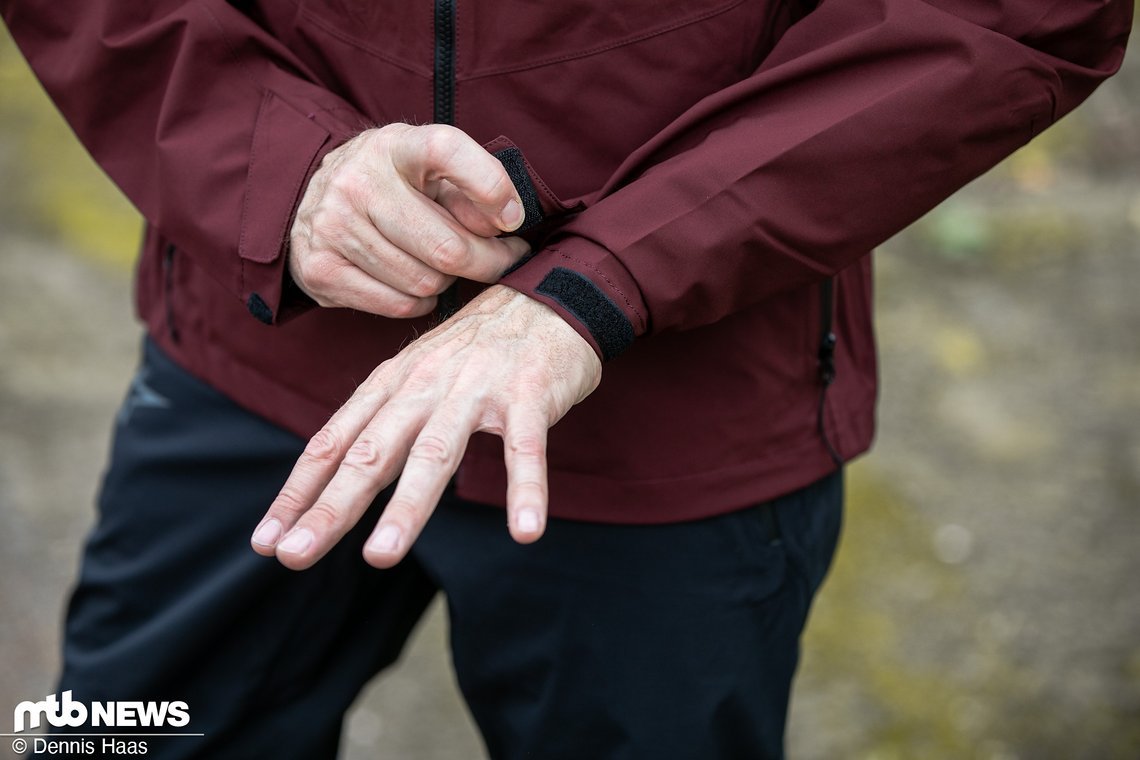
(512,160)
(259,309)
(661,642)
(172,604)
(598,641)
(592,307)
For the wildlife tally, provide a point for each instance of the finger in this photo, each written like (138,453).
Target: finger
(319,462)
(372,462)
(337,282)
(429,233)
(465,212)
(524,450)
(439,152)
(431,462)
(364,246)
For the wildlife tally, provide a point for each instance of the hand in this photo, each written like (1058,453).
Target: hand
(394,215)
(504,363)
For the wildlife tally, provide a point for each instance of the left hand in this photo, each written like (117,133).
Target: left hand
(504,364)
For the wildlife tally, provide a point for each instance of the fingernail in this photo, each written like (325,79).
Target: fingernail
(296,542)
(512,214)
(267,533)
(528,521)
(386,540)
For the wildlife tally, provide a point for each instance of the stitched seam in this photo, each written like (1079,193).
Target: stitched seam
(604,48)
(613,286)
(264,92)
(492,146)
(328,28)
(242,236)
(550,196)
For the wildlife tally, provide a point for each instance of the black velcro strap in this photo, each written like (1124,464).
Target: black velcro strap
(592,307)
(512,160)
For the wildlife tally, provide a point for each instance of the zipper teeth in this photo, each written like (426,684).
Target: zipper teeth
(443,110)
(444,65)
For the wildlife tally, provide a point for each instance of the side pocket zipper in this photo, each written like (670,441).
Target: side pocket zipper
(827,341)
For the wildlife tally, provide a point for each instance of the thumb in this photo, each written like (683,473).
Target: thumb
(477,218)
(476,183)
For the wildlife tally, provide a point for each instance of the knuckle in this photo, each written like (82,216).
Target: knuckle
(324,517)
(364,455)
(377,380)
(288,504)
(527,445)
(450,255)
(348,184)
(421,380)
(440,144)
(322,272)
(323,447)
(430,284)
(328,224)
(529,485)
(431,449)
(403,307)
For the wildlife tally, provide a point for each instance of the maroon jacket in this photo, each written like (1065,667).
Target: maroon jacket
(730,156)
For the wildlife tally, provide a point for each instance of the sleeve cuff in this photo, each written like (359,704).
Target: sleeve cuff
(588,288)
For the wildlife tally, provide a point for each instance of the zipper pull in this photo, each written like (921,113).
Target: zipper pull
(827,359)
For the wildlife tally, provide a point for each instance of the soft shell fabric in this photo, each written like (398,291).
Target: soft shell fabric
(707,163)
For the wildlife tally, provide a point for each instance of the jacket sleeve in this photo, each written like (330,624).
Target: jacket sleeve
(207,123)
(865,115)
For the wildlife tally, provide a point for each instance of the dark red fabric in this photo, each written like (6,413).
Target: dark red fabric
(729,156)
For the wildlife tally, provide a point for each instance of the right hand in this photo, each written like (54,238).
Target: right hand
(394,215)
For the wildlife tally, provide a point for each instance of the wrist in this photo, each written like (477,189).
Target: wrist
(532,318)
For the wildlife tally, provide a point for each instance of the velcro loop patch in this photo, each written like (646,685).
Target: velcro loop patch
(512,161)
(593,308)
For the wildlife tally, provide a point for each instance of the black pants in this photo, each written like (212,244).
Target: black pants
(673,641)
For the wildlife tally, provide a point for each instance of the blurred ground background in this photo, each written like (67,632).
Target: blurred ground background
(984,603)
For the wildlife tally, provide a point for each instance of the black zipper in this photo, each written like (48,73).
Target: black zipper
(444,67)
(443,110)
(827,341)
